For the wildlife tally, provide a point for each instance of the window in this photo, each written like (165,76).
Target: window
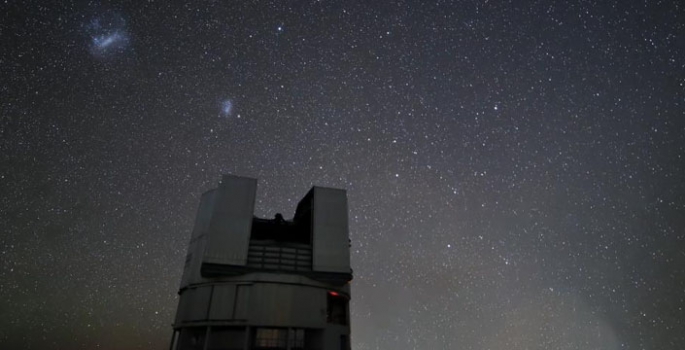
(271,338)
(296,338)
(279,338)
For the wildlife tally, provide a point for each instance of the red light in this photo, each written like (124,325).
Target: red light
(335,294)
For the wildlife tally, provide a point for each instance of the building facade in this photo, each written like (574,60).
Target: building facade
(254,283)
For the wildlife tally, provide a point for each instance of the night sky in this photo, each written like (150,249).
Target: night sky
(515,169)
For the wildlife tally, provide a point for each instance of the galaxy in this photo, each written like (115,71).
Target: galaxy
(108,35)
(226,108)
(514,170)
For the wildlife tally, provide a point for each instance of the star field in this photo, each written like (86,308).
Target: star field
(514,169)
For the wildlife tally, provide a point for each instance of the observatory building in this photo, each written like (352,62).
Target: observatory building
(253,283)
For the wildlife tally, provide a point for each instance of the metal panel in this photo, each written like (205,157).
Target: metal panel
(204,213)
(242,302)
(330,230)
(223,300)
(229,338)
(283,305)
(191,270)
(183,301)
(231,222)
(270,305)
(193,304)
(199,304)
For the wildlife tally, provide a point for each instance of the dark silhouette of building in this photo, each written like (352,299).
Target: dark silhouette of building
(253,283)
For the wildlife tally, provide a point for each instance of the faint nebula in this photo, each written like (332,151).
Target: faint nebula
(226,108)
(108,35)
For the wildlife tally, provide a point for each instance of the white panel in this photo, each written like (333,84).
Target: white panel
(231,222)
(191,270)
(223,299)
(330,230)
(204,213)
(196,264)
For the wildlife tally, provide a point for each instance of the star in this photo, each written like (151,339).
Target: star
(490,151)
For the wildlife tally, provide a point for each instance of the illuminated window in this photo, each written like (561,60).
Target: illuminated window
(271,338)
(296,338)
(279,338)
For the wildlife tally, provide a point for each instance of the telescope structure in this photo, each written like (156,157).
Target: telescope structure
(265,284)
